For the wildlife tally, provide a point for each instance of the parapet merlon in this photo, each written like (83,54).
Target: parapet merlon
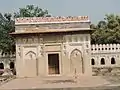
(58,19)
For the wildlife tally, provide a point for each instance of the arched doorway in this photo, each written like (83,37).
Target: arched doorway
(1,66)
(12,66)
(112,60)
(102,61)
(92,61)
(76,62)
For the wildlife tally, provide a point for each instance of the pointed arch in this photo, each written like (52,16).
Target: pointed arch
(76,62)
(31,52)
(76,50)
(102,61)
(113,60)
(92,61)
(30,55)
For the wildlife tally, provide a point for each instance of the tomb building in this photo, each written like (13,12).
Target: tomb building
(52,46)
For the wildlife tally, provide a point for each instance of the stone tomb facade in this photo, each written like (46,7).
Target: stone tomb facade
(53,46)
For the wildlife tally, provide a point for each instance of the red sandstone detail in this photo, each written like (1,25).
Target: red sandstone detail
(50,19)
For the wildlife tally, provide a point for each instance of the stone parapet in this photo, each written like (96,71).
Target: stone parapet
(105,48)
(58,19)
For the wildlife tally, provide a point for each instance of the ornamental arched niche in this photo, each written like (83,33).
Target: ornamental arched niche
(31,64)
(76,62)
(30,55)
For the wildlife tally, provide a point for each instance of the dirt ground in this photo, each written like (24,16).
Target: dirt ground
(64,83)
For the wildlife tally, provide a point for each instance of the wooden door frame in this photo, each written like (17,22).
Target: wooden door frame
(47,70)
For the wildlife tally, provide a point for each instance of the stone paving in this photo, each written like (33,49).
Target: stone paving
(58,83)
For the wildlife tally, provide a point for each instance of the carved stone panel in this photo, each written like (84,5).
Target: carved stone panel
(52,39)
(30,40)
(52,48)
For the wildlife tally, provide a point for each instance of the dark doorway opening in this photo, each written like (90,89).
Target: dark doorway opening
(112,60)
(12,65)
(53,63)
(102,61)
(92,61)
(1,66)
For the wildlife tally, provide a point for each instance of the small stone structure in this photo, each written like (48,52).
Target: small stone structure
(105,59)
(52,46)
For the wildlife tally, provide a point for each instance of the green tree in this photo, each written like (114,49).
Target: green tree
(7,25)
(107,31)
(7,44)
(31,11)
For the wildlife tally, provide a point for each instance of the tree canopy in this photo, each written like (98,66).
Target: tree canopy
(7,25)
(31,11)
(7,44)
(107,31)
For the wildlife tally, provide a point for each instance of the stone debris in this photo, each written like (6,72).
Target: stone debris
(7,72)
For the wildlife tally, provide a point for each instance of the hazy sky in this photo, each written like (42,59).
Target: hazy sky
(95,9)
